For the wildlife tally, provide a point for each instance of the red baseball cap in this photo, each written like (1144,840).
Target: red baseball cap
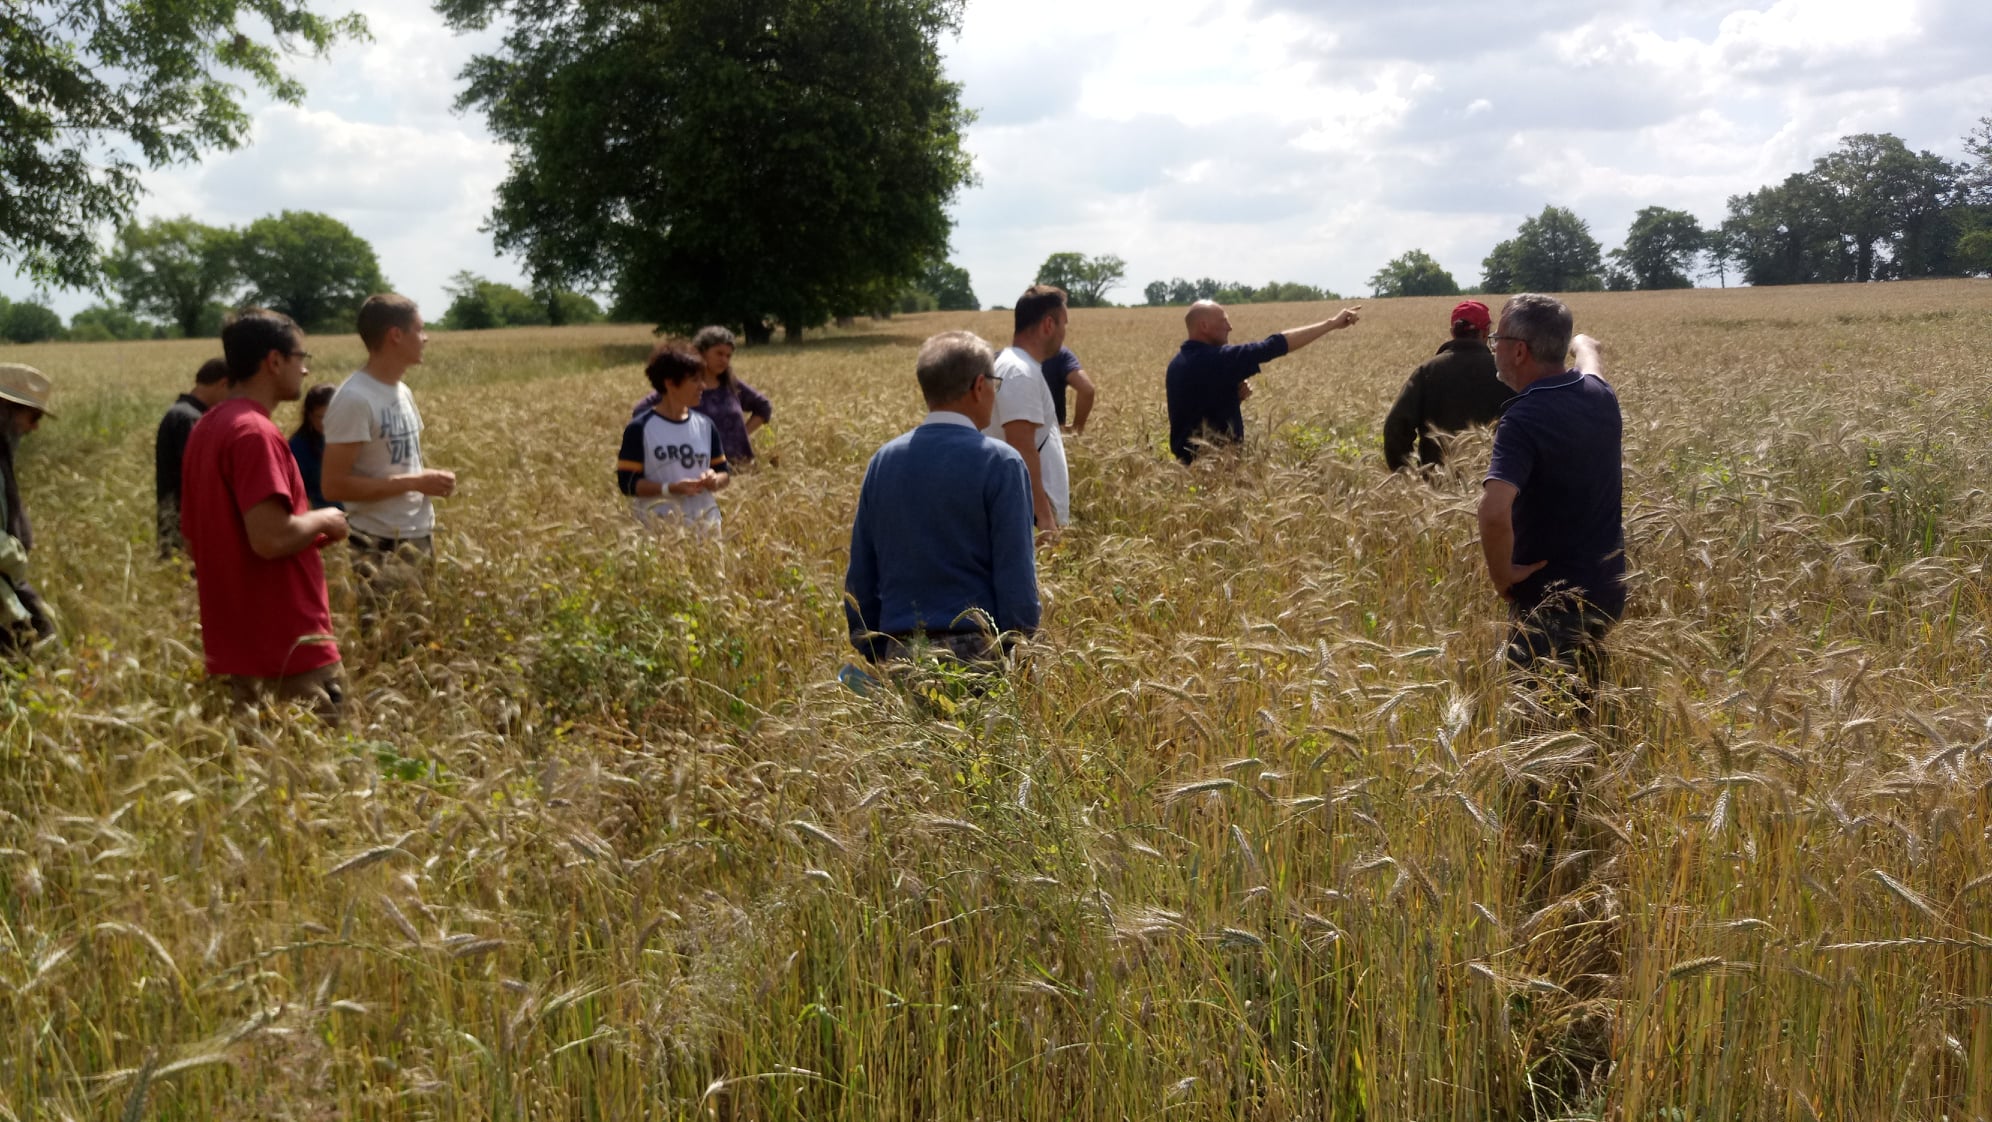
(1474,314)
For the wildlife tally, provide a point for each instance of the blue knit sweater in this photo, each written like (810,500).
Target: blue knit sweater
(943,532)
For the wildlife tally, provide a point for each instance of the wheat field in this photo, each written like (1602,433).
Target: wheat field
(1244,837)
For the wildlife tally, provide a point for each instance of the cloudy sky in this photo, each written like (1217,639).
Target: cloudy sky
(1248,140)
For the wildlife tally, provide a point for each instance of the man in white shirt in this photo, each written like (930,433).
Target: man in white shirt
(1025,416)
(373,457)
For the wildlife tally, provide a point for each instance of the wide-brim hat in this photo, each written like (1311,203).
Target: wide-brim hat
(24,385)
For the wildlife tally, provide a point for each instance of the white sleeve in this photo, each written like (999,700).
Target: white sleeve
(1018,400)
(349,419)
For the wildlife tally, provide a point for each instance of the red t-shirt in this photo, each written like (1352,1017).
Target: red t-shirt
(259,618)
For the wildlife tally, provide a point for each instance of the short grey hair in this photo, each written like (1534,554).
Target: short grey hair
(714,336)
(1542,322)
(949,364)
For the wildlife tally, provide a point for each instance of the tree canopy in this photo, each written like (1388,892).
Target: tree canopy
(92,94)
(1413,274)
(1086,280)
(1661,248)
(1552,252)
(174,269)
(309,266)
(722,160)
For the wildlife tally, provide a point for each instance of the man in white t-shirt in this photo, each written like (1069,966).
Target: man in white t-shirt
(373,457)
(1025,416)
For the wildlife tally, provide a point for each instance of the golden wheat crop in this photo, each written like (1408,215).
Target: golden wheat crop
(1242,841)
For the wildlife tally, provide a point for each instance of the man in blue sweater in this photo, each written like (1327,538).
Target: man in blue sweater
(941,547)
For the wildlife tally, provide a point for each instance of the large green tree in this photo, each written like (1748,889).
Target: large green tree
(1086,280)
(1413,274)
(1552,252)
(1788,234)
(950,287)
(174,269)
(92,94)
(723,160)
(1890,204)
(1661,248)
(309,266)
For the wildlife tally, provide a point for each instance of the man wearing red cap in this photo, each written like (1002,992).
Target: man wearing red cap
(1455,388)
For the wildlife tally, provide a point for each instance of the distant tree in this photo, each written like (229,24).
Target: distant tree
(950,287)
(99,324)
(92,94)
(309,266)
(827,136)
(1184,292)
(1552,252)
(1660,248)
(1498,269)
(1886,199)
(1974,252)
(175,269)
(1204,288)
(1086,280)
(1787,234)
(1292,292)
(1413,274)
(566,308)
(1156,293)
(1975,180)
(1619,278)
(25,322)
(1718,254)
(1237,293)
(479,304)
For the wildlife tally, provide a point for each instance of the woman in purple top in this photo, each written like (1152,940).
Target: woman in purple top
(736,409)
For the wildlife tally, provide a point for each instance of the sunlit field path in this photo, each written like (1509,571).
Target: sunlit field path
(606,840)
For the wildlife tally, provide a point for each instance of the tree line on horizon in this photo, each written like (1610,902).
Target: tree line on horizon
(771,167)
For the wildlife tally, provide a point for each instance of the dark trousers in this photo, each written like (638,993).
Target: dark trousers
(388,574)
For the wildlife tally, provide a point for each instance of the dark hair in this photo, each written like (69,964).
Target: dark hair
(212,371)
(1540,322)
(317,397)
(949,364)
(671,364)
(250,335)
(1037,302)
(1465,330)
(382,312)
(716,336)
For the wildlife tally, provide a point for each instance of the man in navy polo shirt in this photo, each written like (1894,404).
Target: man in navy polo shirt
(1207,378)
(1551,511)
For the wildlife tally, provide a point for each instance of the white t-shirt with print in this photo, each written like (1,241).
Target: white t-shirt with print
(384,422)
(673,452)
(1022,395)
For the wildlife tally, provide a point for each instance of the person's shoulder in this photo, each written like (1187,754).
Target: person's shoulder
(1013,359)
(356,384)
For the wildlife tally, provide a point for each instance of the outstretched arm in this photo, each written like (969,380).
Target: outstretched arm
(1298,337)
(1590,360)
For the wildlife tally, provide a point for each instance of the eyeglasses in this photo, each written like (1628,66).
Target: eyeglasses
(300,354)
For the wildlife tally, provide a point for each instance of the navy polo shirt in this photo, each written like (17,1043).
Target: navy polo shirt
(1559,444)
(1202,387)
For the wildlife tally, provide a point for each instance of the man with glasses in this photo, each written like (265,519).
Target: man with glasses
(1453,390)
(266,623)
(941,546)
(1551,510)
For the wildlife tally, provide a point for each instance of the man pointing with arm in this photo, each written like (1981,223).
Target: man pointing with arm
(1207,378)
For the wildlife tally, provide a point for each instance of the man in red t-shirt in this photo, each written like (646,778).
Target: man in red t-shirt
(266,624)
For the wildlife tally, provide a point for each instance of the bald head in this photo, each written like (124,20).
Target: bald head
(1207,322)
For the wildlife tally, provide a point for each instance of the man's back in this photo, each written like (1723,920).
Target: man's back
(943,529)
(1202,389)
(1559,444)
(169,450)
(1453,390)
